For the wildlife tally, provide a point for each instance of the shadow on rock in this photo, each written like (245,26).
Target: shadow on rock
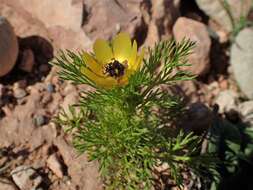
(32,65)
(231,139)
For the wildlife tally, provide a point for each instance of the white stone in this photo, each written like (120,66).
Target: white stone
(26,178)
(227,100)
(242,61)
(19,93)
(54,164)
(215,10)
(246,111)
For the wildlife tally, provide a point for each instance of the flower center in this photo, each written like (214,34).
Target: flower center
(115,69)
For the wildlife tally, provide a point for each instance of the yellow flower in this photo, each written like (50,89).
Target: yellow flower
(112,66)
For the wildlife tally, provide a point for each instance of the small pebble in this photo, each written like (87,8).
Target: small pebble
(50,88)
(40,120)
(227,100)
(224,84)
(19,93)
(67,180)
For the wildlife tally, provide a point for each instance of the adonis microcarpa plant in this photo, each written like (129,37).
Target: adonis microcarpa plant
(127,122)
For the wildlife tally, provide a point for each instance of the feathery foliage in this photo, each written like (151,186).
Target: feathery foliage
(129,129)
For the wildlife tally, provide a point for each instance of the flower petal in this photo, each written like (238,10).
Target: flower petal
(103,51)
(92,64)
(122,47)
(139,60)
(132,59)
(104,82)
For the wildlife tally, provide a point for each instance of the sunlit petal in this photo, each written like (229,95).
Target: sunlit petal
(112,66)
(122,47)
(105,82)
(133,55)
(103,51)
(139,60)
(92,64)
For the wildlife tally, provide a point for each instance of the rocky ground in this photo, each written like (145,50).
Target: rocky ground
(35,153)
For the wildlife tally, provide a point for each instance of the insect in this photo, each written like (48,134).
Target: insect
(115,69)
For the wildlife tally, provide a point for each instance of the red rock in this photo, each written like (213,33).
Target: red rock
(8,47)
(164,14)
(195,31)
(107,17)
(69,100)
(152,36)
(27,61)
(65,13)
(223,83)
(63,32)
(220,33)
(69,39)
(83,172)
(24,24)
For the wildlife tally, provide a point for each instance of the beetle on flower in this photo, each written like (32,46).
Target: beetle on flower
(112,66)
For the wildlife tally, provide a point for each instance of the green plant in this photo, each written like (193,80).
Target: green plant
(131,129)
